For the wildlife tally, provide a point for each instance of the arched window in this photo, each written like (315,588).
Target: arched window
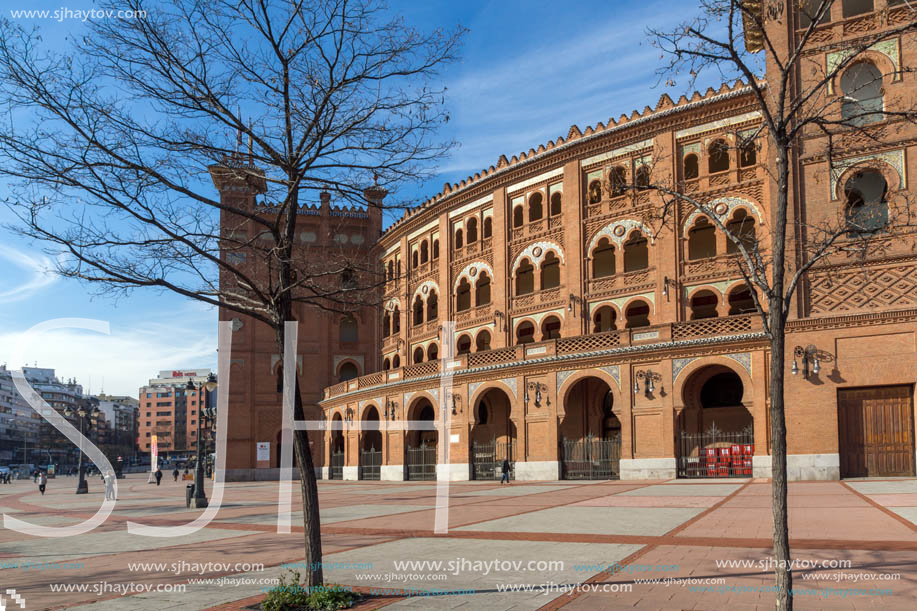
(636,253)
(857,7)
(424,252)
(642,177)
(535,207)
(386,364)
(415,259)
(347,371)
(391,270)
(595,192)
(691,168)
(604,319)
(418,310)
(472,229)
(703,305)
(348,279)
(525,333)
(463,296)
(741,226)
(459,242)
(348,329)
(718,156)
(637,315)
(701,240)
(550,328)
(483,341)
(418,355)
(435,249)
(432,306)
(396,321)
(432,352)
(741,301)
(517,216)
(386,324)
(603,259)
(525,278)
(556,201)
(867,208)
(617,179)
(482,290)
(861,84)
(748,153)
(488,227)
(396,362)
(550,271)
(463,344)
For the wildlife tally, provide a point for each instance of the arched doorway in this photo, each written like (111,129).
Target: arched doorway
(715,430)
(421,445)
(337,448)
(590,432)
(493,435)
(370,445)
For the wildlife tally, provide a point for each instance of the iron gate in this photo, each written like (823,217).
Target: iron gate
(591,458)
(421,463)
(337,465)
(370,464)
(487,460)
(716,453)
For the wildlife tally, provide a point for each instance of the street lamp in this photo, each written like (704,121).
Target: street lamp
(649,378)
(82,486)
(809,353)
(200,498)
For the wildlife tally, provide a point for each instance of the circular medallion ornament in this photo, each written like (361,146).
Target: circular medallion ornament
(721,209)
(473,271)
(425,289)
(619,230)
(537,251)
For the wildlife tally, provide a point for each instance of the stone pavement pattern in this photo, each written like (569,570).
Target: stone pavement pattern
(689,528)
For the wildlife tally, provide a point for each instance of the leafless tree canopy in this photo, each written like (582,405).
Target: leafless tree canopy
(110,142)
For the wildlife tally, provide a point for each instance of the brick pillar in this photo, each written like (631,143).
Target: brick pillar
(574,238)
(501,283)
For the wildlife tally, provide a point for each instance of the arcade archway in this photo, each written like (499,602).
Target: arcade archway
(590,432)
(337,448)
(421,445)
(715,430)
(493,435)
(370,445)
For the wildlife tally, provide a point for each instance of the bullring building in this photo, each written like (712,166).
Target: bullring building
(592,342)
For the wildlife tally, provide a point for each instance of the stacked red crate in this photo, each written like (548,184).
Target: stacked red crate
(748,450)
(723,467)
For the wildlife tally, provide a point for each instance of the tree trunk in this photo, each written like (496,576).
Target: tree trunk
(309,488)
(784,600)
(777,315)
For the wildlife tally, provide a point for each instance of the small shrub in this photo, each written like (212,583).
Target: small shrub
(288,595)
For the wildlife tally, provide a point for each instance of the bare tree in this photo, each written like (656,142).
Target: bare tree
(112,144)
(798,102)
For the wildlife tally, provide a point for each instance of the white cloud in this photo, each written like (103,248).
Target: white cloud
(126,359)
(38,274)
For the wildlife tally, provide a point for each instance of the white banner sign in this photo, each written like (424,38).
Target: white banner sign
(264,451)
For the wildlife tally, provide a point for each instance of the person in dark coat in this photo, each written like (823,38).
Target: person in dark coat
(505,469)
(175,474)
(158,476)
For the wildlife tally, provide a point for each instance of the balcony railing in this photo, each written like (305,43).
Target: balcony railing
(582,344)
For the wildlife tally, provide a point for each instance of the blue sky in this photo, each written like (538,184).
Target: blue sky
(529,70)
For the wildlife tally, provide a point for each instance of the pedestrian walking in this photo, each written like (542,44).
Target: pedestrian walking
(175,474)
(505,469)
(158,476)
(109,486)
(42,482)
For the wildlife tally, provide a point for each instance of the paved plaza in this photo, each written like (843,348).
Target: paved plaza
(574,534)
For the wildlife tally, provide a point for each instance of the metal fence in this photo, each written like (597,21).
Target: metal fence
(591,458)
(421,463)
(487,460)
(337,465)
(716,453)
(371,464)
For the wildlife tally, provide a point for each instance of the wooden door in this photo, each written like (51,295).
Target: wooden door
(876,431)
